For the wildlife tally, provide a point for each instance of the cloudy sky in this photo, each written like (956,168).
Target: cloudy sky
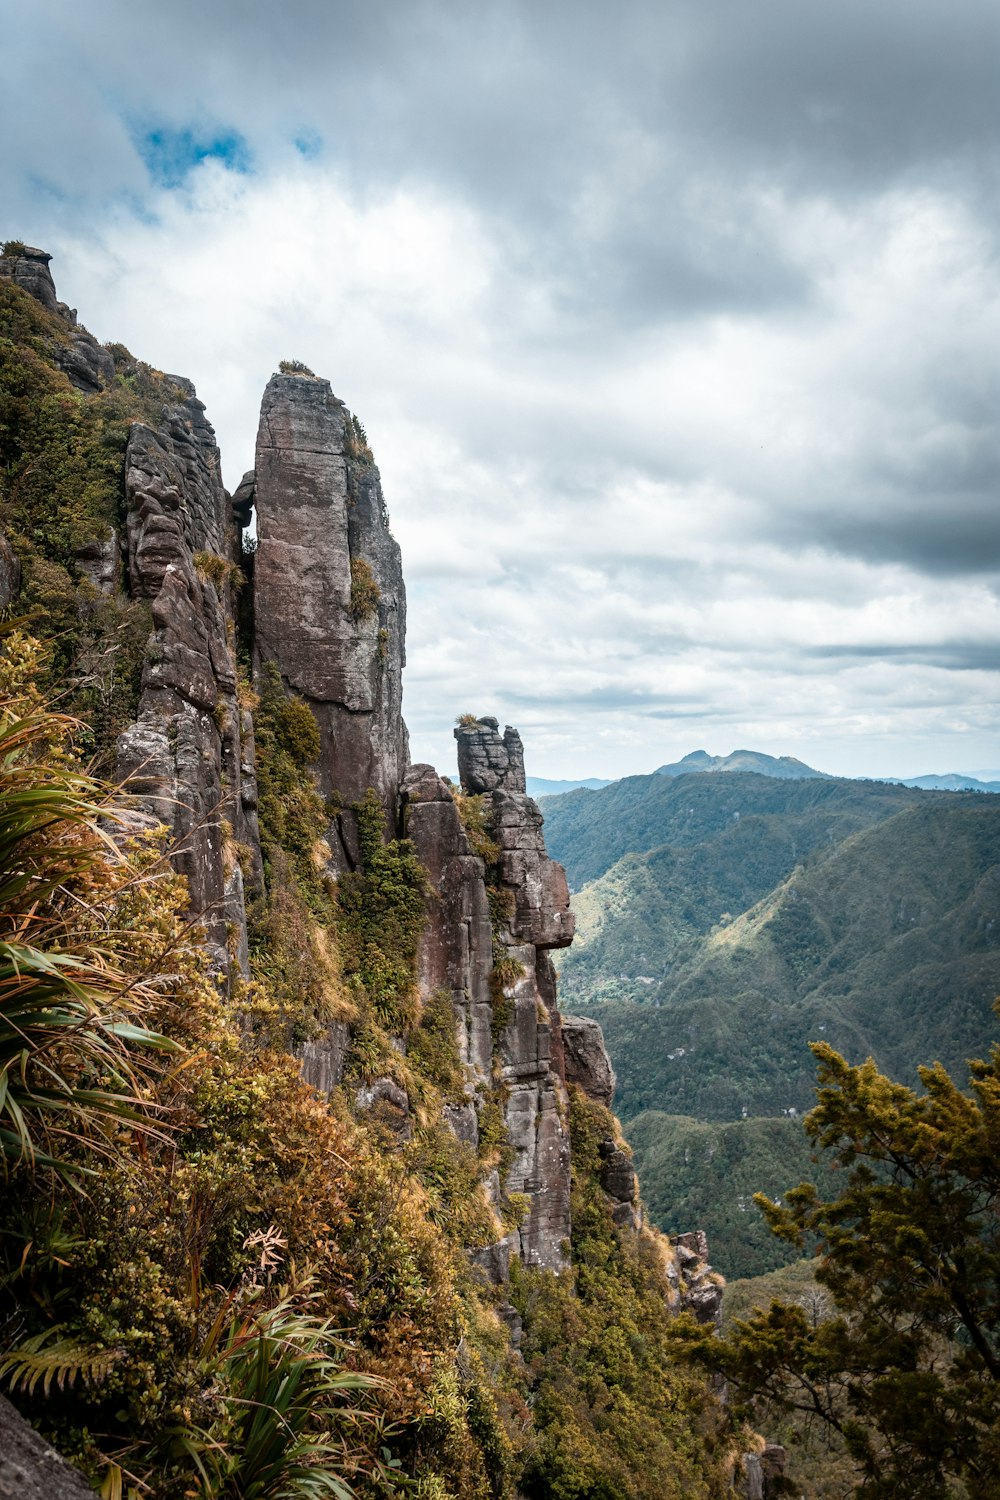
(675,328)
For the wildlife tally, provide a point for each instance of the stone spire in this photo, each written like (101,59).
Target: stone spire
(329,602)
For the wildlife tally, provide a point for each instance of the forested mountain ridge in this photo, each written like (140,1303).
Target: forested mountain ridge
(375,1226)
(592,830)
(827,910)
(887,945)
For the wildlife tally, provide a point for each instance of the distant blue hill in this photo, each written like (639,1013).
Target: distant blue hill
(950,783)
(539,786)
(784,767)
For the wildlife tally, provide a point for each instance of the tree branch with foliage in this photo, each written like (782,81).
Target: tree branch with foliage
(907,1369)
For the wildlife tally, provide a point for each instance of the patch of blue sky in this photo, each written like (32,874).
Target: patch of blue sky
(308,143)
(171,155)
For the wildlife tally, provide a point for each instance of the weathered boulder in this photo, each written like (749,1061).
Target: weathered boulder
(29,1468)
(29,268)
(243,498)
(487,763)
(587,1062)
(89,366)
(329,603)
(700,1288)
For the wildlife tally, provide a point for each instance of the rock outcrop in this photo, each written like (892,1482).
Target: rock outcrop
(87,363)
(329,602)
(487,763)
(29,1468)
(326,621)
(700,1287)
(188,759)
(456,948)
(587,1060)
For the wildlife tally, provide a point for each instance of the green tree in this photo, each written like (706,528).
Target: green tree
(907,1369)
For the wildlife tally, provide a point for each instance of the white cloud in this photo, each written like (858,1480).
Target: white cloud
(687,436)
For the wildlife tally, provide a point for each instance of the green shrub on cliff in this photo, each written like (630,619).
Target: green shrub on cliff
(365,592)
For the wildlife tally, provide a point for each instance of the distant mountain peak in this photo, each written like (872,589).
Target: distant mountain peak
(784,767)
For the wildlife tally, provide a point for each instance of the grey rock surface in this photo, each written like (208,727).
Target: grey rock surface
(323,1057)
(321,527)
(587,1062)
(29,1468)
(456,947)
(701,1289)
(183,759)
(487,763)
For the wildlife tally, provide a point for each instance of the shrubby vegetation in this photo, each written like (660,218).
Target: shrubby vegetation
(614,1415)
(61,487)
(902,1361)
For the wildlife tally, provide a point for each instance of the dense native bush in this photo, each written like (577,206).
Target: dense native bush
(899,1353)
(614,1416)
(135,1317)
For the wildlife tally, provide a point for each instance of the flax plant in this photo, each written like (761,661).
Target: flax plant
(73,1049)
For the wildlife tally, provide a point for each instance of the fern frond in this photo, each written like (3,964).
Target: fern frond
(46,1360)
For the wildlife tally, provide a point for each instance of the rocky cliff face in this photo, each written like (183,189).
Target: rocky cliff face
(188,759)
(327,617)
(329,602)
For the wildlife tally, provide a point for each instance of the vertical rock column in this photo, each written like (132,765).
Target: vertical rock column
(188,760)
(456,947)
(531,1054)
(329,603)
